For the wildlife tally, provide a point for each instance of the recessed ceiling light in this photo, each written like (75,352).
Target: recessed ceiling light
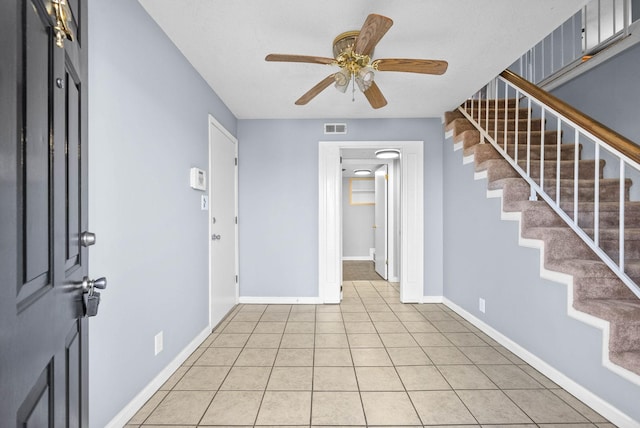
(388,154)
(362,172)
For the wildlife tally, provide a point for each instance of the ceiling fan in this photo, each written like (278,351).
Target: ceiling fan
(352,52)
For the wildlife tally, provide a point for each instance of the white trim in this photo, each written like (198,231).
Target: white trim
(212,121)
(249,300)
(412,226)
(468,159)
(481,175)
(357,258)
(589,398)
(458,146)
(448,134)
(393,279)
(152,387)
(432,299)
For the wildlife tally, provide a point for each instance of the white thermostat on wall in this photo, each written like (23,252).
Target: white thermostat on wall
(198,179)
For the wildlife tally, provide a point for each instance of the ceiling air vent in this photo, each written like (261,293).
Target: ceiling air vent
(335,128)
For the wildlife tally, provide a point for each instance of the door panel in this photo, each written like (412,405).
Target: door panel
(380,215)
(43,207)
(223,226)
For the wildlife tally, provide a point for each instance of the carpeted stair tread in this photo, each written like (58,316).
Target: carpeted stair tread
(624,317)
(629,360)
(586,168)
(459,125)
(511,103)
(449,116)
(502,114)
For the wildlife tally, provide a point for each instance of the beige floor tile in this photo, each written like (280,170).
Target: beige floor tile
(331,340)
(334,379)
(264,340)
(302,317)
(431,339)
(504,351)
(353,308)
(409,316)
(378,379)
(436,316)
(543,406)
(207,342)
(303,308)
(253,308)
(509,377)
(231,340)
(582,408)
(389,408)
(420,327)
(246,379)
(233,408)
(398,340)
(330,327)
(400,307)
(303,340)
(278,308)
(270,327)
(466,377)
(290,379)
(174,378)
(329,317)
(452,326)
(545,381)
(360,327)
(275,316)
(373,357)
(240,327)
(484,355)
(377,307)
(358,340)
(332,357)
(285,408)
(389,327)
(181,407)
(327,308)
(337,408)
(492,407)
(147,408)
(294,358)
(300,327)
(422,378)
(218,357)
(442,355)
(440,407)
(355,316)
(247,316)
(194,357)
(383,316)
(202,378)
(256,357)
(408,357)
(465,339)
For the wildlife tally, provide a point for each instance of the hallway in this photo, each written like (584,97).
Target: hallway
(369,361)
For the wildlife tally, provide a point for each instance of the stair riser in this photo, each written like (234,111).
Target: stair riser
(600,288)
(511,103)
(624,337)
(501,114)
(586,169)
(608,193)
(511,126)
(550,152)
(560,244)
(550,137)
(607,219)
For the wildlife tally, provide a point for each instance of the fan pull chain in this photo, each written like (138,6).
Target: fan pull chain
(353,89)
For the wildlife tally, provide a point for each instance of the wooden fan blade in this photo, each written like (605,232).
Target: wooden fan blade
(374,27)
(311,94)
(299,58)
(424,66)
(375,97)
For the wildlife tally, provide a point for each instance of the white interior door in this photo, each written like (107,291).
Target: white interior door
(222,211)
(380,231)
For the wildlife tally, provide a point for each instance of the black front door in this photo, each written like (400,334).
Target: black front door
(43,213)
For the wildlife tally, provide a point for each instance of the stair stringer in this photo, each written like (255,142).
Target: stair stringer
(567,280)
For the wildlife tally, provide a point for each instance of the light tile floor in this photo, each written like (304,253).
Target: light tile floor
(369,361)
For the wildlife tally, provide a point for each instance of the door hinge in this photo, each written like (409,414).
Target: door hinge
(386,176)
(236,161)
(236,219)
(341,288)
(386,262)
(340,159)
(236,279)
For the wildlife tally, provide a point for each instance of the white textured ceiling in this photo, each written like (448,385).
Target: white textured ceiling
(227,40)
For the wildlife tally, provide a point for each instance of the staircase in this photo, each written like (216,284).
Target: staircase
(596,289)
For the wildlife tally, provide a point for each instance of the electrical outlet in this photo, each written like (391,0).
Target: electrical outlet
(481,305)
(158,343)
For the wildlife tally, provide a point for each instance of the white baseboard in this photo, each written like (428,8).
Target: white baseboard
(589,398)
(357,258)
(143,396)
(393,279)
(256,300)
(431,299)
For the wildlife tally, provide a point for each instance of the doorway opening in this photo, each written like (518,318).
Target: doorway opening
(407,239)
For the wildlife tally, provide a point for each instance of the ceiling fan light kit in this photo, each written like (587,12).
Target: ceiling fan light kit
(352,51)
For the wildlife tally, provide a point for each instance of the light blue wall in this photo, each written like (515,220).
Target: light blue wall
(482,259)
(148,126)
(278,199)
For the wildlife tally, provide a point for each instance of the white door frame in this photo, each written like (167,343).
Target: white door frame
(213,122)
(411,217)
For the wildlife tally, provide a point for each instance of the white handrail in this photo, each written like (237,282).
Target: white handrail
(472,110)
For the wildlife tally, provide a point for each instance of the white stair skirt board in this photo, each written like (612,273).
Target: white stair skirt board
(567,280)
(357,258)
(143,396)
(481,175)
(251,300)
(468,159)
(449,133)
(458,146)
(598,404)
